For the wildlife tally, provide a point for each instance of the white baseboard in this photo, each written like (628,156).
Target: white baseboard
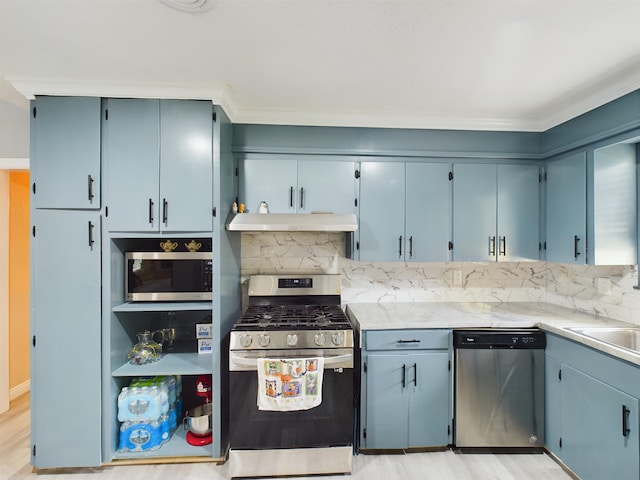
(21,389)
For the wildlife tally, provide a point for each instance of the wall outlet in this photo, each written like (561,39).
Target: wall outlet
(603,285)
(457,277)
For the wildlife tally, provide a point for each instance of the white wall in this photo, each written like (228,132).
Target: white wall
(14,131)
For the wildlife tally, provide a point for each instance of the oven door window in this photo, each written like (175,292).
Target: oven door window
(329,424)
(165,276)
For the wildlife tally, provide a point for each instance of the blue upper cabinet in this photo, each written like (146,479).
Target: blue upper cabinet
(326,186)
(474,212)
(66,152)
(566,209)
(427,212)
(186,165)
(382,197)
(158,165)
(518,212)
(298,186)
(496,212)
(405,211)
(131,153)
(273,181)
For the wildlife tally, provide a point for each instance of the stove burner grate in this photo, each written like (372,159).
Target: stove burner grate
(293,317)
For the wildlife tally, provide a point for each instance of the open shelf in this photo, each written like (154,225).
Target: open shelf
(169,364)
(161,306)
(177,446)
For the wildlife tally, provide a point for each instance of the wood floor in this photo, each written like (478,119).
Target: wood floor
(447,465)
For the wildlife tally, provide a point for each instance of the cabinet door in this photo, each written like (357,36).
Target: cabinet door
(131,152)
(381,227)
(326,186)
(553,405)
(66,329)
(474,212)
(186,165)
(518,212)
(271,181)
(593,444)
(566,210)
(387,401)
(427,212)
(66,158)
(428,417)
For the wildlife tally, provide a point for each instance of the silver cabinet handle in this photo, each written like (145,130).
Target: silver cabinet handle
(503,246)
(492,246)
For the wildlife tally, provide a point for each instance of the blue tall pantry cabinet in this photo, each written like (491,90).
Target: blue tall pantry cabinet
(82,326)
(66,282)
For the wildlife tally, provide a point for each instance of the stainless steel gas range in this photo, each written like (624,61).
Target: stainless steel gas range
(291,379)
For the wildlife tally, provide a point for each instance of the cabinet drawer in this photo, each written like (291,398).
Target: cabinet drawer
(406,339)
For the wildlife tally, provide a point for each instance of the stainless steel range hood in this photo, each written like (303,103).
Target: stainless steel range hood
(292,222)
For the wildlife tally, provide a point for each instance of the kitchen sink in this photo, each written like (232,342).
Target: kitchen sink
(623,337)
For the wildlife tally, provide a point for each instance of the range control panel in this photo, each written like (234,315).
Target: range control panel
(491,338)
(295,283)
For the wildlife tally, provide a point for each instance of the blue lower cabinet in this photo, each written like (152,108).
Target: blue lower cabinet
(406,401)
(592,410)
(600,428)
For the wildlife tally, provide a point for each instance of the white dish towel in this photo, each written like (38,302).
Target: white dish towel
(290,384)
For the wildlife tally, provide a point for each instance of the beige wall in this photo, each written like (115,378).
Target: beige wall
(19,281)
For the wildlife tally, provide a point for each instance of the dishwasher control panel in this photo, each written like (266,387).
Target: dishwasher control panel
(488,339)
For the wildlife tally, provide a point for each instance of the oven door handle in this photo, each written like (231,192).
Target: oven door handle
(239,361)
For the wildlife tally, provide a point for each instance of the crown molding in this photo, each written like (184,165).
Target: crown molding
(551,115)
(617,84)
(218,94)
(382,120)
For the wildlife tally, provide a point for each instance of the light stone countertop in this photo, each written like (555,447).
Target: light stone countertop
(425,315)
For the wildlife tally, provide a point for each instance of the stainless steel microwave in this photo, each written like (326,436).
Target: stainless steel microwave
(168,276)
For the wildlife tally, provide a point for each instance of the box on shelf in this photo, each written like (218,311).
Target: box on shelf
(204,330)
(205,345)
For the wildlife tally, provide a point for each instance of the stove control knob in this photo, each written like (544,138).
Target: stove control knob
(320,339)
(292,339)
(245,340)
(337,338)
(264,340)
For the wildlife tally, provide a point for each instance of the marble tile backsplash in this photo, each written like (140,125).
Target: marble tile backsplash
(605,290)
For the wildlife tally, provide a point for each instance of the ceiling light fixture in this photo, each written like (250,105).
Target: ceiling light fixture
(190,6)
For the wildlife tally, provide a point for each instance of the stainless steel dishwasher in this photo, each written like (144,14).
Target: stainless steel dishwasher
(499,388)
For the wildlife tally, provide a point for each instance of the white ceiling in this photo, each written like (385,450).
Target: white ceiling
(503,65)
